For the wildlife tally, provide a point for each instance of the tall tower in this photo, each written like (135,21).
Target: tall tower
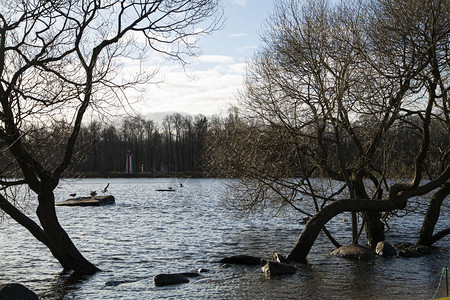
(129,167)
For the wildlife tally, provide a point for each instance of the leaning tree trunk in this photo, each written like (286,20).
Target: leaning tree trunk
(426,237)
(315,224)
(68,252)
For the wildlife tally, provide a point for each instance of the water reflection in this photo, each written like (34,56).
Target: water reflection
(63,284)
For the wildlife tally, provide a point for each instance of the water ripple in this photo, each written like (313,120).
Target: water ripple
(148,232)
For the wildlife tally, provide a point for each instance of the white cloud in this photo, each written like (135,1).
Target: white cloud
(238,68)
(240,2)
(207,91)
(236,35)
(221,59)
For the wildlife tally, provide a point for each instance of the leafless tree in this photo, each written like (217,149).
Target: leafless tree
(324,97)
(59,59)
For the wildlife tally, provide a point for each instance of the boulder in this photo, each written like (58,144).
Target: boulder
(16,291)
(169,279)
(241,260)
(353,252)
(385,249)
(274,268)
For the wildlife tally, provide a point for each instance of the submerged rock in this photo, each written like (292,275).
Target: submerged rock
(385,249)
(114,282)
(353,252)
(274,268)
(88,201)
(412,250)
(16,291)
(403,245)
(169,279)
(241,260)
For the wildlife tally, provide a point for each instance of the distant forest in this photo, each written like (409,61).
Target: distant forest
(176,145)
(186,145)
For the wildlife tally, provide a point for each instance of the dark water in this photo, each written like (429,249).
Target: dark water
(146,233)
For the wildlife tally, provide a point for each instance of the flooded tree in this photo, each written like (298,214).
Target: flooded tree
(61,59)
(326,98)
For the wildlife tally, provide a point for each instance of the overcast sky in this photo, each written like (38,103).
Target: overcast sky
(217,74)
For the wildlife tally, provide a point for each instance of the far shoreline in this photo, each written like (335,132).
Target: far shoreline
(90,175)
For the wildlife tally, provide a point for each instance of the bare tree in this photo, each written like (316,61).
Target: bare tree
(322,99)
(58,59)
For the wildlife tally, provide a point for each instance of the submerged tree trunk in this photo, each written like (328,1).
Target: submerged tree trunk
(315,224)
(426,237)
(69,256)
(372,220)
(374,228)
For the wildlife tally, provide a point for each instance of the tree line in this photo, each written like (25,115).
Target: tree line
(175,145)
(244,145)
(191,146)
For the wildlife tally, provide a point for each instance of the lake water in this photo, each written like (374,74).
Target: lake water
(146,233)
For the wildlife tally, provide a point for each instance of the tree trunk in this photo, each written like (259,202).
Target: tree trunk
(431,217)
(69,256)
(315,224)
(374,228)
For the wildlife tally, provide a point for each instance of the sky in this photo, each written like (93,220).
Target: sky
(210,82)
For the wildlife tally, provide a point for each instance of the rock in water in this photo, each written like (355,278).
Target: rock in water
(385,249)
(16,291)
(241,260)
(353,252)
(403,245)
(412,250)
(276,268)
(88,201)
(169,279)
